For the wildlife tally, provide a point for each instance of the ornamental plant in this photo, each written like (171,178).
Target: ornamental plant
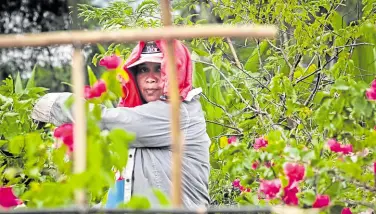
(292,119)
(36,159)
(301,106)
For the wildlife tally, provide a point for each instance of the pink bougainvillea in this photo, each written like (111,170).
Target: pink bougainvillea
(7,198)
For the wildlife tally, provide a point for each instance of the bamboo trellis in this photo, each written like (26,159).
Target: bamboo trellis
(168,33)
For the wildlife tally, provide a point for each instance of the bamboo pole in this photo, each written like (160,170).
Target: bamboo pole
(129,35)
(79,133)
(174,99)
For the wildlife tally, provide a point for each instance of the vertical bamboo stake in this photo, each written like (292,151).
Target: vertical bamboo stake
(174,98)
(79,146)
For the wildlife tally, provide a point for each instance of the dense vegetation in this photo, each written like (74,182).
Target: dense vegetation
(291,119)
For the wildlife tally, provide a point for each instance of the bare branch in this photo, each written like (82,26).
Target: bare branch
(292,71)
(219,106)
(355,44)
(224,125)
(234,53)
(359,203)
(283,53)
(312,95)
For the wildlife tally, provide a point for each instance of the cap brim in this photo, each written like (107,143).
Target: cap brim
(156,59)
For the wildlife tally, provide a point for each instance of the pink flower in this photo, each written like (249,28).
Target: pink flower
(347,149)
(7,198)
(294,171)
(290,192)
(270,188)
(260,143)
(236,183)
(337,147)
(374,168)
(96,90)
(371,94)
(231,140)
(321,201)
(110,62)
(65,134)
(346,210)
(334,145)
(255,165)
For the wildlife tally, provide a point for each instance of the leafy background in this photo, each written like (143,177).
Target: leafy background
(298,91)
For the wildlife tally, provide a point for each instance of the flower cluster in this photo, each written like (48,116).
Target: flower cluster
(337,147)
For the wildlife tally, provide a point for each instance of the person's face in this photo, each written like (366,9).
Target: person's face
(148,77)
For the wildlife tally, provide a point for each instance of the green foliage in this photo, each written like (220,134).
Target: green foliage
(298,90)
(38,166)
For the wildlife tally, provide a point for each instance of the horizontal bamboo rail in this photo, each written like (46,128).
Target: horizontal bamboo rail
(130,35)
(225,210)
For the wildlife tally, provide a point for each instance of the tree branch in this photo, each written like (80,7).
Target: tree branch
(219,106)
(292,71)
(234,53)
(359,203)
(312,95)
(224,125)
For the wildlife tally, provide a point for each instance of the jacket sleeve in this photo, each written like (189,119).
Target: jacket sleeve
(149,122)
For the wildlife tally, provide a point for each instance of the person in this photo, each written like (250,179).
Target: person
(145,111)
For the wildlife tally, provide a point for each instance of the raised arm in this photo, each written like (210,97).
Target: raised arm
(150,122)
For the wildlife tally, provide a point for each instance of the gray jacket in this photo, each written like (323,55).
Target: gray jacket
(151,163)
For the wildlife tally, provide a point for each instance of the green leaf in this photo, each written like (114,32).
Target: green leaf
(18,85)
(253,62)
(16,144)
(137,202)
(92,77)
(199,77)
(31,82)
(341,85)
(307,197)
(162,198)
(101,48)
(337,21)
(292,152)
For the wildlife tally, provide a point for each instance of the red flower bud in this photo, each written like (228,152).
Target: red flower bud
(65,134)
(110,62)
(231,140)
(346,210)
(255,165)
(96,91)
(7,198)
(243,189)
(321,201)
(334,145)
(236,183)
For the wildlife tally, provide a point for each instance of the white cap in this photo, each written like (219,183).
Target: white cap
(150,53)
